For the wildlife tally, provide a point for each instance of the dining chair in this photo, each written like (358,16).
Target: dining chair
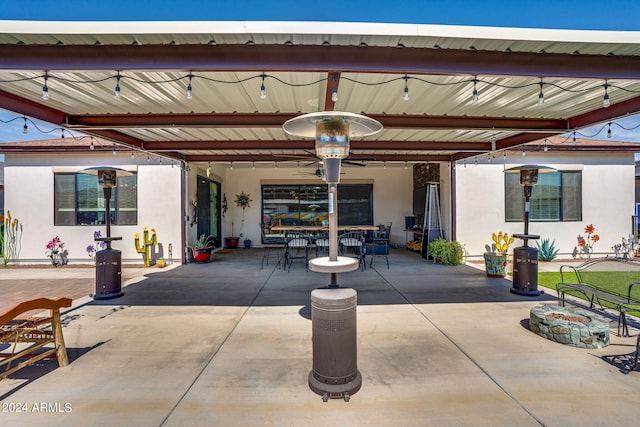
(351,243)
(322,244)
(296,248)
(273,248)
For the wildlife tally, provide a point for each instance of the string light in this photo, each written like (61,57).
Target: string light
(524,153)
(25,128)
(574,138)
(405,97)
(231,166)
(116,91)
(475,90)
(606,102)
(45,88)
(189,88)
(148,157)
(334,92)
(609,130)
(62,136)
(91,145)
(541,95)
(209,170)
(545,145)
(463,81)
(132,155)
(263,91)
(113,151)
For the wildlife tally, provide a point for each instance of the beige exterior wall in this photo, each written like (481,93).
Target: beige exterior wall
(607,201)
(29,196)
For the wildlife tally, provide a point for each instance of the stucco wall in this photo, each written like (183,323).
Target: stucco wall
(29,197)
(607,201)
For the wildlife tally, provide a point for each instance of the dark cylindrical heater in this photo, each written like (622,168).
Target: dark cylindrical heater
(525,258)
(108,260)
(525,270)
(108,274)
(335,361)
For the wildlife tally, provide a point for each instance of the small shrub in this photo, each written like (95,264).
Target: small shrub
(547,250)
(445,252)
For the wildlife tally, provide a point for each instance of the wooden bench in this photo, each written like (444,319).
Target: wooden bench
(590,279)
(36,331)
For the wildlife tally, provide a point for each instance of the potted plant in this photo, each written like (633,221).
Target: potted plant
(202,248)
(232,241)
(496,258)
(445,252)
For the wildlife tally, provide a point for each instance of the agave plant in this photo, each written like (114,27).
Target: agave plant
(547,250)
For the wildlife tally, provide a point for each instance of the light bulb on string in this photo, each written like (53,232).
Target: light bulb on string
(574,139)
(405,96)
(62,136)
(91,145)
(263,90)
(171,164)
(545,145)
(475,91)
(524,153)
(25,128)
(148,157)
(132,155)
(113,151)
(606,102)
(209,170)
(116,91)
(541,95)
(609,131)
(45,88)
(189,88)
(231,166)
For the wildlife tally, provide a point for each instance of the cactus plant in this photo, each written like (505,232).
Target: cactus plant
(144,248)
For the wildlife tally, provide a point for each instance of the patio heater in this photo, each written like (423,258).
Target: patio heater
(525,258)
(333,309)
(108,260)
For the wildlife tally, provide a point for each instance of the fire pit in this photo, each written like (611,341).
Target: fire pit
(572,326)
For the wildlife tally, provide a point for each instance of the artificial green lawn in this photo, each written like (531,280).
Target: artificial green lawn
(615,282)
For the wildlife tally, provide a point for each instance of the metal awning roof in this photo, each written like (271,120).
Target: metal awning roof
(301,65)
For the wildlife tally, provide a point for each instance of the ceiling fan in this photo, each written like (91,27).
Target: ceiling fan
(311,155)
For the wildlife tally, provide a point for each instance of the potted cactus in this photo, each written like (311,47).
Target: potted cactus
(202,248)
(496,259)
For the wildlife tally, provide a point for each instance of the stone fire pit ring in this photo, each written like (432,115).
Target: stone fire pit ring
(571,326)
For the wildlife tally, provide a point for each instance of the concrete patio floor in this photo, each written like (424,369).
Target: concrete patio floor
(228,343)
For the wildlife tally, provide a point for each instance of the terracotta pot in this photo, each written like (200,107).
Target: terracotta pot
(496,264)
(231,242)
(201,255)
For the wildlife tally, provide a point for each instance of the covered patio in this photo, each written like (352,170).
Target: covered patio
(229,343)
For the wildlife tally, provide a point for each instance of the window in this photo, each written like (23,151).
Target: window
(79,200)
(308,204)
(556,197)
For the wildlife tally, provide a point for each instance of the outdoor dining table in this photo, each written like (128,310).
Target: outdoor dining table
(286,228)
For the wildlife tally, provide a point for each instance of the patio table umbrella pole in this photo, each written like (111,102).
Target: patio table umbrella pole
(335,369)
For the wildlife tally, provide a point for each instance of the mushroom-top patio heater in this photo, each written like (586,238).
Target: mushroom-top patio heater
(108,260)
(333,309)
(525,258)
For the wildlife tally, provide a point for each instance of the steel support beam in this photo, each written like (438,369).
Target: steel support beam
(370,59)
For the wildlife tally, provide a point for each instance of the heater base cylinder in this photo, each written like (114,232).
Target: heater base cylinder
(108,274)
(335,368)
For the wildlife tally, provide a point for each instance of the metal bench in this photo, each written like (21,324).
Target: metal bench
(37,332)
(588,280)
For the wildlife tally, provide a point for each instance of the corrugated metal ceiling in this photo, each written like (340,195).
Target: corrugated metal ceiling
(436,94)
